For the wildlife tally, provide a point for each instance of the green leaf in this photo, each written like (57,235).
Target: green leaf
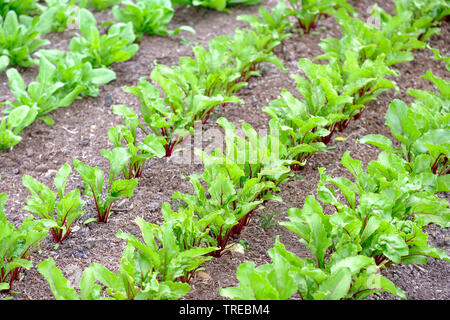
(378,140)
(4,62)
(93,178)
(59,285)
(118,158)
(61,179)
(336,286)
(252,285)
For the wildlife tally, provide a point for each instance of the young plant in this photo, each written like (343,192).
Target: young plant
(275,23)
(346,276)
(21,7)
(148,17)
(387,209)
(62,13)
(126,136)
(17,245)
(135,280)
(250,48)
(396,37)
(425,13)
(213,69)
(102,50)
(220,205)
(189,230)
(165,253)
(345,87)
(94,181)
(262,157)
(73,72)
(254,166)
(172,118)
(14,123)
(43,203)
(309,12)
(422,128)
(231,195)
(19,39)
(300,131)
(44,95)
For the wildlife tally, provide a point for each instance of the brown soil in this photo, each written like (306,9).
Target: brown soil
(80,131)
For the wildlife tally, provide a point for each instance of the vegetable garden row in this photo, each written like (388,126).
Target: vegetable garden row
(387,205)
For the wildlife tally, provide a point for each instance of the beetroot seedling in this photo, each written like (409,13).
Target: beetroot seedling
(94,179)
(43,203)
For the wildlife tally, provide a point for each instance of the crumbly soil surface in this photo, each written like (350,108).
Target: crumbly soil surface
(80,131)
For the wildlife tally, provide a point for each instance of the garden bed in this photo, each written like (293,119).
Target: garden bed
(80,131)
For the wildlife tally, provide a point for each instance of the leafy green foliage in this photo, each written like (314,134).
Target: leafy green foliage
(298,129)
(43,95)
(62,78)
(94,181)
(20,7)
(19,39)
(406,27)
(380,224)
(62,13)
(346,276)
(222,203)
(126,136)
(102,50)
(275,23)
(98,5)
(388,208)
(309,12)
(213,71)
(166,254)
(172,116)
(160,267)
(220,5)
(17,245)
(333,95)
(43,203)
(195,87)
(422,128)
(13,124)
(349,84)
(190,231)
(425,13)
(262,157)
(247,173)
(148,17)
(250,48)
(237,182)
(74,73)
(396,37)
(133,281)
